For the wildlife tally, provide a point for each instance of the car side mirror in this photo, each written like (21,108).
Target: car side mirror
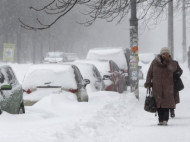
(106,77)
(6,87)
(85,82)
(121,71)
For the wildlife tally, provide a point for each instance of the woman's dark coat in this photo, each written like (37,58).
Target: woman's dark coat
(160,75)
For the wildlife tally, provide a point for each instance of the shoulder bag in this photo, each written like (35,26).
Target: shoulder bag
(178,84)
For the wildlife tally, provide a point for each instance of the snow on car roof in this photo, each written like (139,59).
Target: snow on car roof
(101,65)
(50,75)
(116,54)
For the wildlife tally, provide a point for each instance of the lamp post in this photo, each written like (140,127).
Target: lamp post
(134,81)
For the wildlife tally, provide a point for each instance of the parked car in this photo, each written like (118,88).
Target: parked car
(119,55)
(11,93)
(55,57)
(44,79)
(90,72)
(113,77)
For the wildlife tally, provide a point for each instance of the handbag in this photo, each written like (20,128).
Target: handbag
(150,103)
(178,84)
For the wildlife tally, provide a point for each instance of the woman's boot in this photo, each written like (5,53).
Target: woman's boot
(172,113)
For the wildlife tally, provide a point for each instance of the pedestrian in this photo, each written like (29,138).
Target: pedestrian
(160,78)
(177,73)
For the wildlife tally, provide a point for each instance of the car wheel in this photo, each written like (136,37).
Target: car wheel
(22,108)
(82,98)
(118,88)
(85,98)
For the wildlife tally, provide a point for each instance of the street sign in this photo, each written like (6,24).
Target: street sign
(8,52)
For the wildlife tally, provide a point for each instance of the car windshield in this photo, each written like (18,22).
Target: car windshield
(2,77)
(5,76)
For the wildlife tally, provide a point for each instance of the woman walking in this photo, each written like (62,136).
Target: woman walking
(160,78)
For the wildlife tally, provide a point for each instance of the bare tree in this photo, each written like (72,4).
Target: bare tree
(96,9)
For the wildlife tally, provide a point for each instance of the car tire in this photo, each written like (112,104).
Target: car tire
(85,98)
(118,89)
(22,108)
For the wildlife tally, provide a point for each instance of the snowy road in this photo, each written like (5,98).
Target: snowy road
(107,117)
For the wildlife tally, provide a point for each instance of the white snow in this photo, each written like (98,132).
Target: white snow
(116,54)
(146,57)
(55,74)
(107,117)
(101,65)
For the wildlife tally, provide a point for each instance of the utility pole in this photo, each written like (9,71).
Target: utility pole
(134,81)
(184,31)
(170,28)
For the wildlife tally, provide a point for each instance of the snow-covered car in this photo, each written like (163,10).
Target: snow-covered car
(11,93)
(55,57)
(45,79)
(119,55)
(90,72)
(113,77)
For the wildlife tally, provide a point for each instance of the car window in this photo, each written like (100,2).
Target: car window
(78,76)
(96,73)
(10,76)
(2,77)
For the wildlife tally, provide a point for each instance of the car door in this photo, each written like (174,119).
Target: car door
(78,77)
(12,98)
